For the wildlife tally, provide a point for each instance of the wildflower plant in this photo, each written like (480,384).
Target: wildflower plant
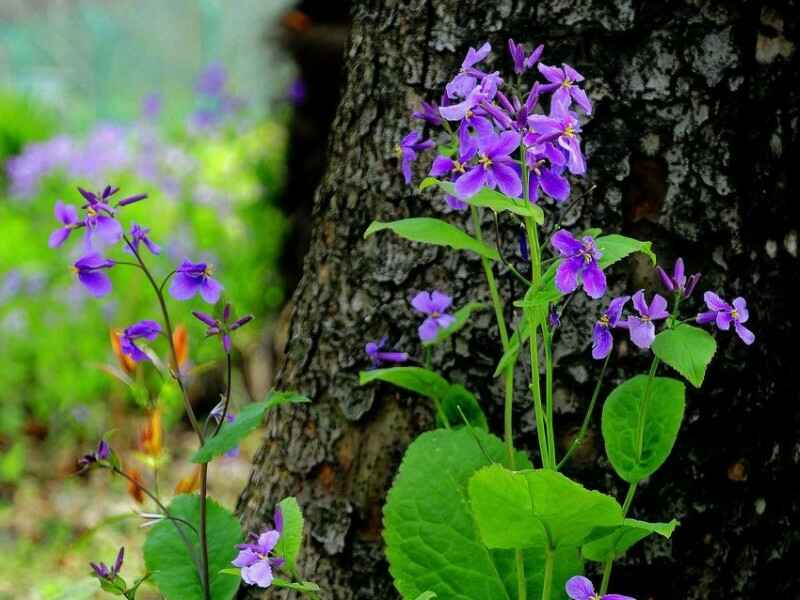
(191,547)
(469,515)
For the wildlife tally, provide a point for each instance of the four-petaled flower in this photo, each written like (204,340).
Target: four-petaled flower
(378,356)
(254,560)
(104,572)
(191,278)
(407,151)
(434,304)
(723,314)
(89,271)
(495,168)
(579,263)
(140,235)
(224,327)
(562,125)
(68,215)
(641,328)
(463,83)
(678,282)
(562,84)
(602,340)
(580,588)
(147,330)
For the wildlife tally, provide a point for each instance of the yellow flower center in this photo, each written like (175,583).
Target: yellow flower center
(485,161)
(469,114)
(735,314)
(436,314)
(604,321)
(91,212)
(398,151)
(458,167)
(74,270)
(567,83)
(209,271)
(569,131)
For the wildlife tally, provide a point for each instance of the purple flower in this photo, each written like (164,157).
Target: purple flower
(211,81)
(553,318)
(579,263)
(467,78)
(521,62)
(580,588)
(254,560)
(444,165)
(102,453)
(224,327)
(89,271)
(641,328)
(563,82)
(216,414)
(495,168)
(147,330)
(68,215)
(678,282)
(562,126)
(602,340)
(140,235)
(191,278)
(546,165)
(376,354)
(429,113)
(723,314)
(407,151)
(103,572)
(297,92)
(434,304)
(151,106)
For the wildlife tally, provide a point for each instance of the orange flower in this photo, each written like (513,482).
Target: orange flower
(180,338)
(135,485)
(151,438)
(189,484)
(126,362)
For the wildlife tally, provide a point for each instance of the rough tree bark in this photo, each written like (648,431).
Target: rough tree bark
(694,145)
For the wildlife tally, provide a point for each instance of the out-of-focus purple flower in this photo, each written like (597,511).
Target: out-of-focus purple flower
(641,328)
(68,215)
(102,453)
(224,327)
(254,561)
(580,588)
(296,93)
(147,330)
(679,282)
(521,62)
(723,314)
(546,164)
(37,160)
(140,235)
(562,84)
(378,356)
(216,414)
(579,263)
(191,278)
(89,270)
(562,126)
(429,113)
(495,168)
(211,81)
(151,106)
(463,83)
(602,340)
(407,151)
(104,572)
(434,304)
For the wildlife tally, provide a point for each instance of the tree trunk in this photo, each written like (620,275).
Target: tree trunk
(695,131)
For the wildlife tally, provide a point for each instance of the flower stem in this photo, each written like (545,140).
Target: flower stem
(587,419)
(522,584)
(204,531)
(547,586)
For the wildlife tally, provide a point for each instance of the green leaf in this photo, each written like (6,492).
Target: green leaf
(492,199)
(521,509)
(414,379)
(616,247)
(426,596)
(298,586)
(458,397)
(686,349)
(168,559)
(291,539)
(461,317)
(230,434)
(434,231)
(613,542)
(637,453)
(432,541)
(510,356)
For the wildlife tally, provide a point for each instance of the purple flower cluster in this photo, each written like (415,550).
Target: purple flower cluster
(222,327)
(494,129)
(101,571)
(254,561)
(102,230)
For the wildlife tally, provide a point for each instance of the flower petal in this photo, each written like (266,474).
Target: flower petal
(423,303)
(442,165)
(440,301)
(210,290)
(658,308)
(563,241)
(642,332)
(740,304)
(747,336)
(259,574)
(428,330)
(581,99)
(183,286)
(554,185)
(58,237)
(245,558)
(97,283)
(567,274)
(470,183)
(602,341)
(579,588)
(714,302)
(507,179)
(594,280)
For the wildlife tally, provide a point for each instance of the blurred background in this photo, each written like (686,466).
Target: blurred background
(203,105)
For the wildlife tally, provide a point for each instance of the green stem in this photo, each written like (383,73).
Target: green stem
(522,584)
(547,586)
(497,303)
(548,387)
(626,506)
(588,418)
(607,566)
